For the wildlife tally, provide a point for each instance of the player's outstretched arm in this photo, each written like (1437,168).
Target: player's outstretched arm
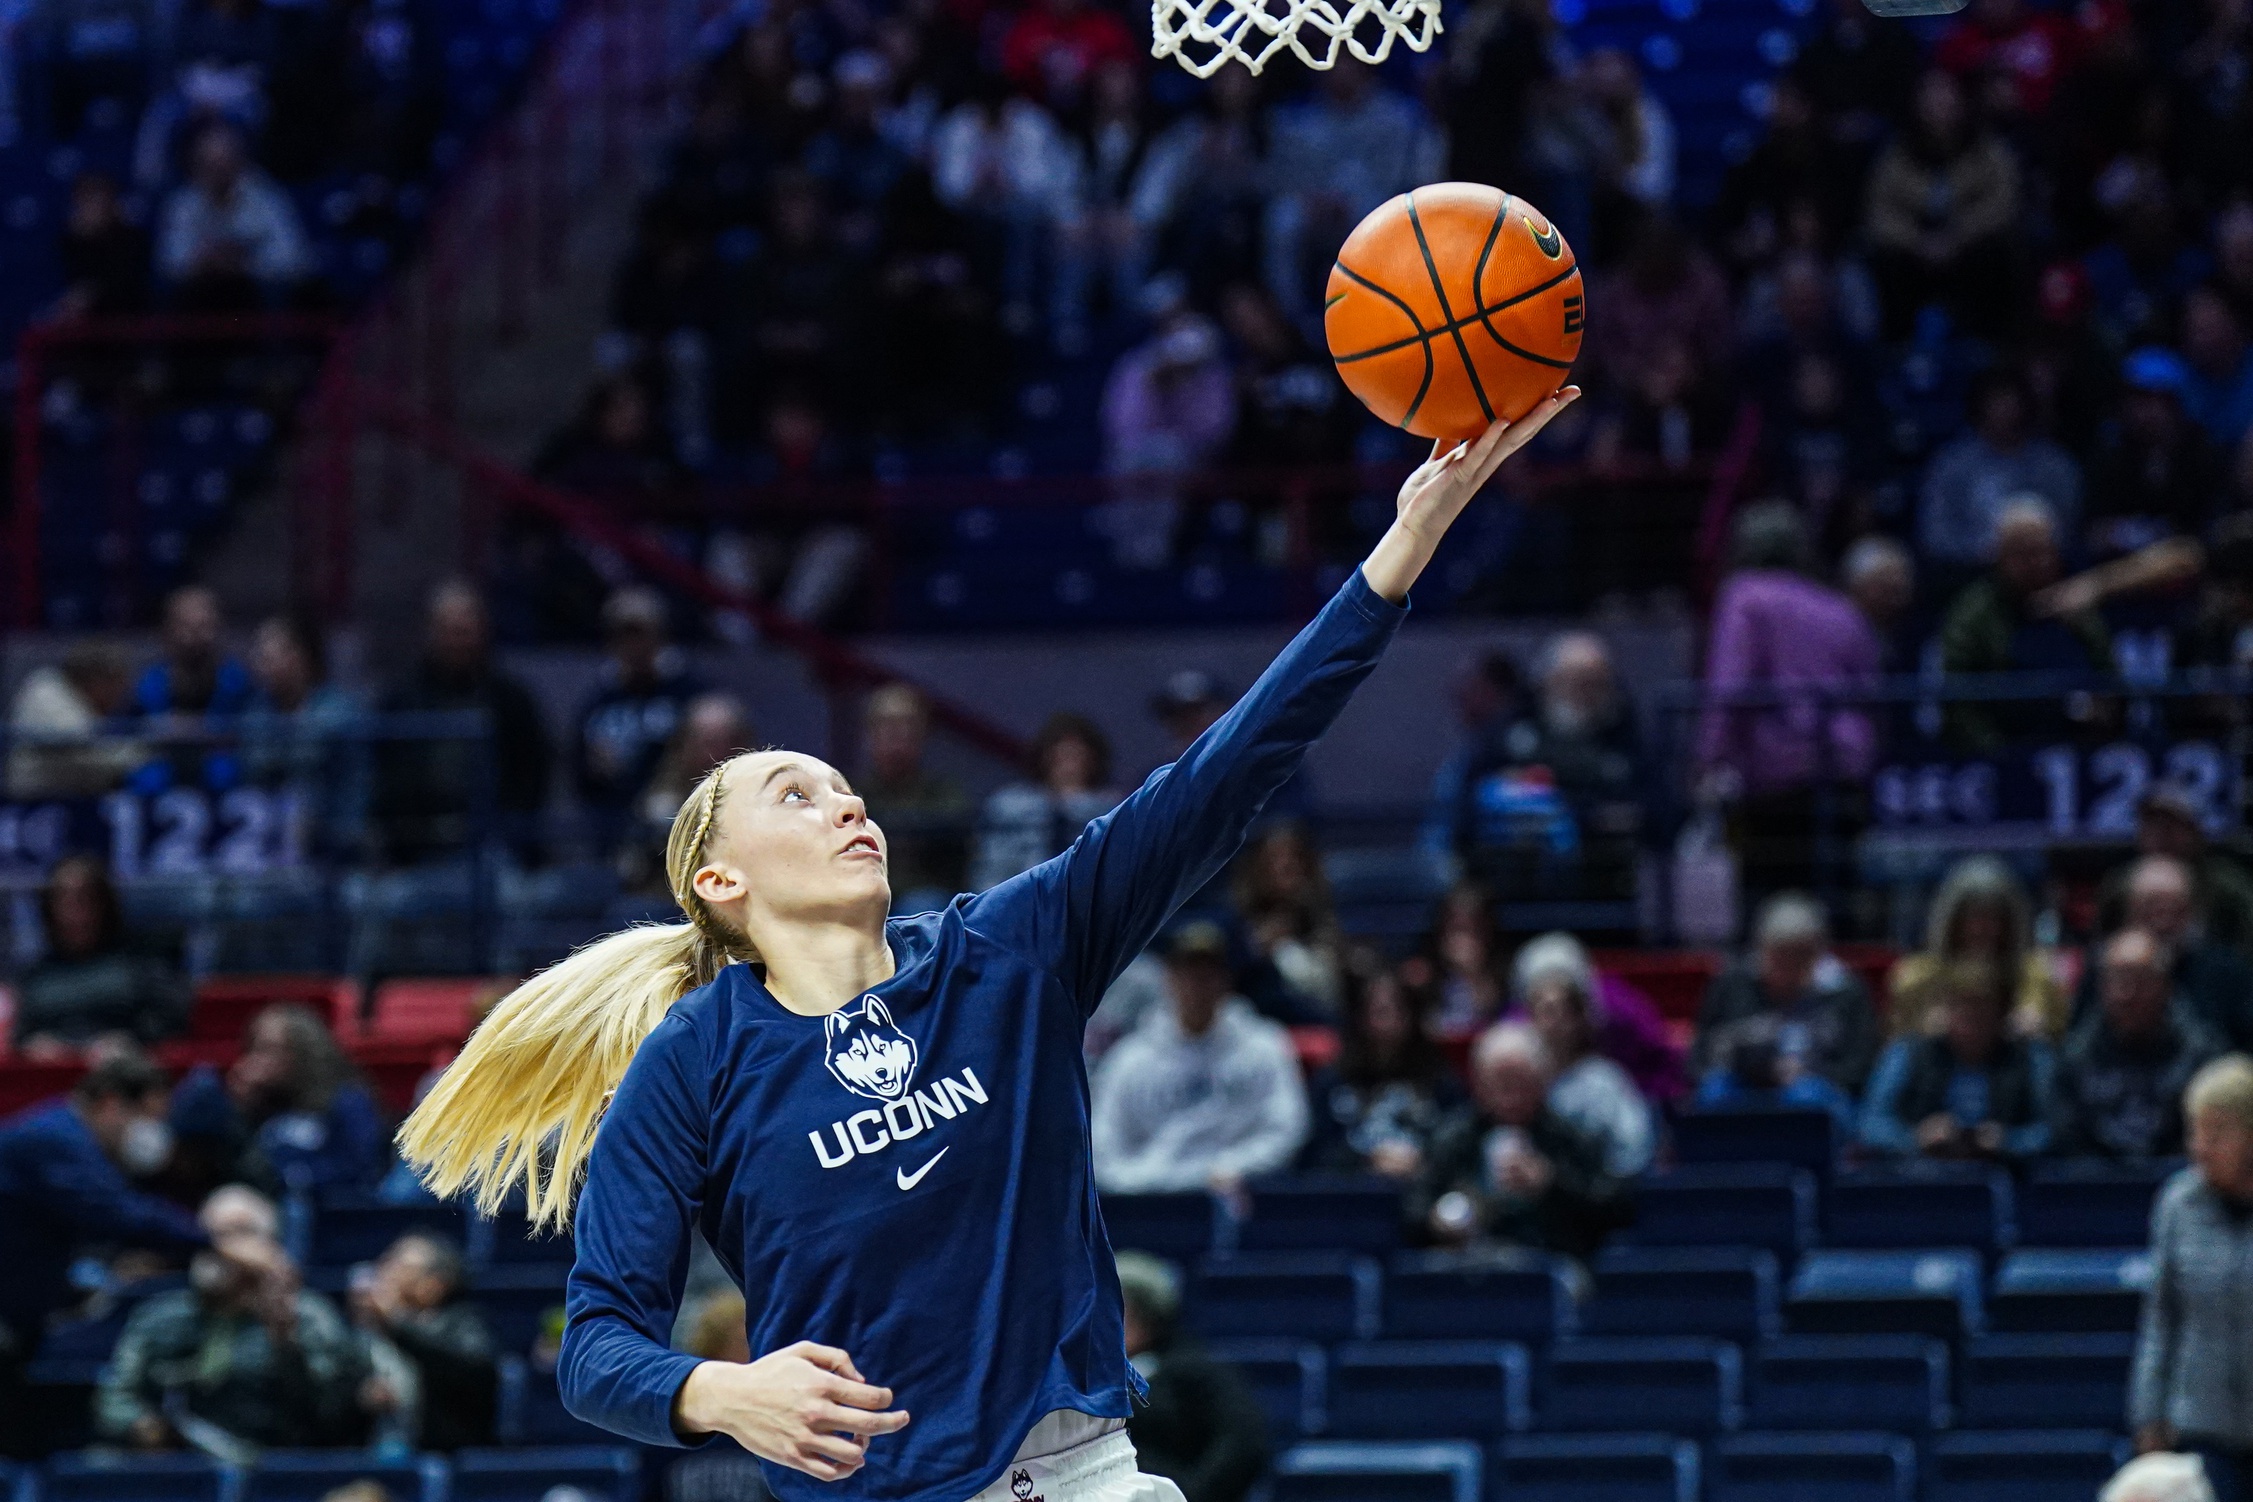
(1432,497)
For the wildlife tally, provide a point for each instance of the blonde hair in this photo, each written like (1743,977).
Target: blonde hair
(2226,1086)
(518,1109)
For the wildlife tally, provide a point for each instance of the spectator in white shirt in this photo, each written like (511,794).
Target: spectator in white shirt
(1002,160)
(1589,1091)
(1205,1093)
(230,238)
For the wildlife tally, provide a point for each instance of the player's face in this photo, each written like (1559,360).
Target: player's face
(793,842)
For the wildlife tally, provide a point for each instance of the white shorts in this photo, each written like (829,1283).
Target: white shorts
(1096,1468)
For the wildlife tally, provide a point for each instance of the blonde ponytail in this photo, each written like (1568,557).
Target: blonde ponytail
(518,1109)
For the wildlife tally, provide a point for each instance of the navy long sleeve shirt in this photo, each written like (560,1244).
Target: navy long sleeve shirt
(908,1178)
(58,1192)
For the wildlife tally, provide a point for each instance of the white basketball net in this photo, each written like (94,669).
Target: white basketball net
(1202,35)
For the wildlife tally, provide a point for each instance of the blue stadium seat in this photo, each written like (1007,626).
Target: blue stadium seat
(532,1411)
(343,1234)
(2045,1381)
(2046,1465)
(1442,1296)
(1895,1382)
(603,1473)
(508,1239)
(2089,1204)
(1386,892)
(1877,1293)
(1362,1471)
(1352,1214)
(1429,1389)
(1803,1139)
(1726,1292)
(2054,1290)
(17,1483)
(1593,1468)
(1680,1386)
(1325,1296)
(1183,1227)
(1771,1206)
(1289,1377)
(1811,1468)
(1940,1204)
(106,1476)
(310,1475)
(516,1300)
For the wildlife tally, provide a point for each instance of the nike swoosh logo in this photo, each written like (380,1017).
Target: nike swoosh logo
(1552,244)
(910,1180)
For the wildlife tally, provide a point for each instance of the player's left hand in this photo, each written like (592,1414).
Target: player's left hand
(1432,497)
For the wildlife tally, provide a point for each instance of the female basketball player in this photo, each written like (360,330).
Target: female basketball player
(880,1126)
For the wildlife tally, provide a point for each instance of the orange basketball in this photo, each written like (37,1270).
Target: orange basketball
(1451,306)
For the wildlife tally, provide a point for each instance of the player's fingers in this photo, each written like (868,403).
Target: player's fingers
(860,1395)
(835,1449)
(861,1421)
(1520,433)
(818,1468)
(828,1358)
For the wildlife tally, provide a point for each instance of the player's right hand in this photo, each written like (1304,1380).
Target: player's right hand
(805,1406)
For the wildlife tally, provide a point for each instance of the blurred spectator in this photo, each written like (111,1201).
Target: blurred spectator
(2214,980)
(1200,191)
(244,1356)
(1488,693)
(1860,73)
(65,1187)
(857,165)
(1629,1029)
(1979,913)
(1558,799)
(2122,1071)
(62,723)
(290,1112)
(1821,444)
(1024,823)
(1661,415)
(793,308)
(2171,823)
(1971,1090)
(1461,963)
(1169,408)
(1589,1091)
(1055,49)
(2192,1388)
(1376,1109)
(436,795)
(1109,247)
(1944,200)
(1500,53)
(91,983)
(1975,478)
(713,728)
(2218,355)
(1002,160)
(1642,131)
(1291,408)
(105,256)
(301,735)
(925,815)
(1349,144)
(1204,1092)
(1794,162)
(1199,1427)
(1880,577)
(196,677)
(1666,295)
(2155,474)
(721,1470)
(412,1301)
(1774,735)
(1790,1000)
(1512,1172)
(626,724)
(2014,52)
(1994,627)
(613,449)
(1283,902)
(2162,1476)
(230,239)
(2219,633)
(1186,705)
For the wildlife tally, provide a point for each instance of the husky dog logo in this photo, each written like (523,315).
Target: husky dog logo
(1021,1485)
(867,1054)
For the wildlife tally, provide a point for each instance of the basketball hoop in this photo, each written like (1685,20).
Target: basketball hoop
(1202,35)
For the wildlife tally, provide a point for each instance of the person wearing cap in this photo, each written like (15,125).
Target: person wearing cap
(1187,705)
(1205,1093)
(2156,474)
(625,725)
(1200,1426)
(2171,823)
(2122,1070)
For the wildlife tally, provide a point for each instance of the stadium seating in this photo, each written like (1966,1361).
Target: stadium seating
(2054,1465)
(607,1473)
(1594,1468)
(2045,1381)
(1440,1296)
(1770,1206)
(1325,1296)
(225,1004)
(532,1411)
(1857,1467)
(344,1233)
(1180,1226)
(1369,1472)
(1290,1378)
(2054,1290)
(1850,1293)
(1722,1292)
(2088,1204)
(1892,1382)
(310,1475)
(1679,1385)
(106,1476)
(516,1301)
(507,1239)
(1803,1139)
(1940,1204)
(1437,1389)
(1344,1214)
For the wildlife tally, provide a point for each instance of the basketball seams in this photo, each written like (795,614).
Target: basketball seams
(1422,338)
(1439,289)
(1481,313)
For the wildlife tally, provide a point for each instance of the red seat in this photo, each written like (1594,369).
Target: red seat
(394,1066)
(433,1010)
(1874,964)
(1674,979)
(23,1083)
(225,1004)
